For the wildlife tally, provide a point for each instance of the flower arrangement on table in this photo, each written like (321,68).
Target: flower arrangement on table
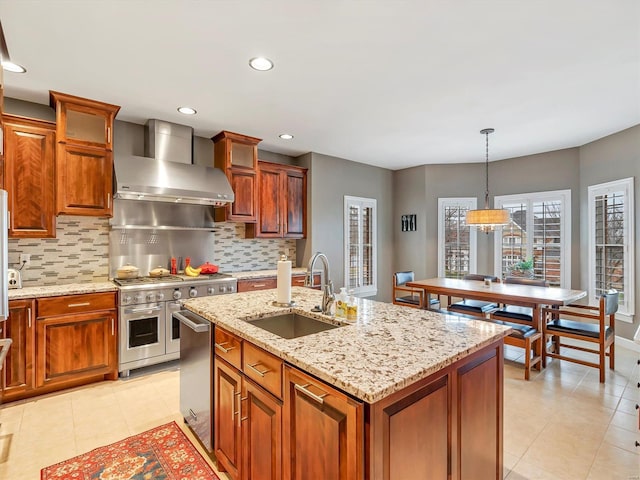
(524,268)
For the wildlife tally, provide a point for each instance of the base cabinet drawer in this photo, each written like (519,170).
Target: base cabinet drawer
(72,304)
(256,284)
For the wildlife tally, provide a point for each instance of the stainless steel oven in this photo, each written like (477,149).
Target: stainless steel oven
(143,333)
(148,332)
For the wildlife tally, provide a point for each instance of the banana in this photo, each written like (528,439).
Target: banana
(191,272)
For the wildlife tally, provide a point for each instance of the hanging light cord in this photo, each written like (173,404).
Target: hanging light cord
(486,133)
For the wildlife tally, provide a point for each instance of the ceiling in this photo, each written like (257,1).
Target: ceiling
(388,83)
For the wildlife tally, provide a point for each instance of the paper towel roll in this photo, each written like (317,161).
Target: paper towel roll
(284,281)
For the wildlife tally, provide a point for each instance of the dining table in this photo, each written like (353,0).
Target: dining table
(534,297)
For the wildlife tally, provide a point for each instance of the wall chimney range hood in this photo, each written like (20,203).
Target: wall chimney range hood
(170,176)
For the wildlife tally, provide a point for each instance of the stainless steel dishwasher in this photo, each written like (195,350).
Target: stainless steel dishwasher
(196,364)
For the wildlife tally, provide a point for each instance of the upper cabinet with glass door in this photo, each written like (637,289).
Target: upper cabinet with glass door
(81,121)
(84,155)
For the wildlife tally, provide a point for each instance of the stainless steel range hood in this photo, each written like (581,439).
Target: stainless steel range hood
(170,176)
(142,178)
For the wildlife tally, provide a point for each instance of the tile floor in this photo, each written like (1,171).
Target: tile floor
(563,424)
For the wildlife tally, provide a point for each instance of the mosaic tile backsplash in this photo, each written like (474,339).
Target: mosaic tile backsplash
(80,252)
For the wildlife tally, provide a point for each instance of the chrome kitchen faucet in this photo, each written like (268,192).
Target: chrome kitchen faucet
(328,296)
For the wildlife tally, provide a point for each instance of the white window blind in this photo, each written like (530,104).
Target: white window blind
(456,240)
(540,229)
(611,247)
(360,239)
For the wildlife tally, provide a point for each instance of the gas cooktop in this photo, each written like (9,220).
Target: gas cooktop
(172,279)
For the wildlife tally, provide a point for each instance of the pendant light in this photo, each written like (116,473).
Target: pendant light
(487,219)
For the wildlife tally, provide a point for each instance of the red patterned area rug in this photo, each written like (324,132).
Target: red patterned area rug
(161,453)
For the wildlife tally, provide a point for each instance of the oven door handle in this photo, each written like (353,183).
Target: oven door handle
(144,309)
(5,343)
(196,327)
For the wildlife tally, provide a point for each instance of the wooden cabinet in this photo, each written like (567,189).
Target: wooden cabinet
(84,155)
(250,285)
(462,407)
(237,156)
(226,417)
(18,372)
(282,194)
(323,430)
(29,176)
(247,409)
(261,434)
(76,340)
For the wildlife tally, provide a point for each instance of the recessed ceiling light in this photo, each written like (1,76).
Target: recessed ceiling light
(286,136)
(261,63)
(13,67)
(187,110)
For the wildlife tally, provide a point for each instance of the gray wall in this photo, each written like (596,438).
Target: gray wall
(417,191)
(330,179)
(612,158)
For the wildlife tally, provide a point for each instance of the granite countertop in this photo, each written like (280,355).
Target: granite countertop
(266,273)
(387,349)
(57,290)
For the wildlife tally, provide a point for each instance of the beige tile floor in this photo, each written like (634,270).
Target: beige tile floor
(563,424)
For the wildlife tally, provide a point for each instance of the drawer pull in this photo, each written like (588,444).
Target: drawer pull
(29,315)
(83,304)
(220,347)
(193,415)
(303,389)
(258,285)
(253,367)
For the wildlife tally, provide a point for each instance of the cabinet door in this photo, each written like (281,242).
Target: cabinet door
(243,184)
(71,348)
(323,433)
(84,180)
(401,447)
(81,121)
(261,418)
(479,448)
(18,371)
(294,204)
(30,157)
(270,201)
(226,417)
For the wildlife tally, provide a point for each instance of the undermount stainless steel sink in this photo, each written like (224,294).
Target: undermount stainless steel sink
(292,325)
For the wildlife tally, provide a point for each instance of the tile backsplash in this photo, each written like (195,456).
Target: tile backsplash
(80,252)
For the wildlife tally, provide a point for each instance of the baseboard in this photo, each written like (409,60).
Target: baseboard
(628,344)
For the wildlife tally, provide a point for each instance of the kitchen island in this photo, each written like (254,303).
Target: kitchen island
(401,393)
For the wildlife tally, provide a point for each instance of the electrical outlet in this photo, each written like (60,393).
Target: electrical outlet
(25,259)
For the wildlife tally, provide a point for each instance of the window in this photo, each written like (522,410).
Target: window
(360,238)
(611,248)
(456,240)
(540,229)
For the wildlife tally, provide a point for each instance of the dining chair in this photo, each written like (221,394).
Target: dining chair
(591,324)
(477,308)
(526,333)
(407,296)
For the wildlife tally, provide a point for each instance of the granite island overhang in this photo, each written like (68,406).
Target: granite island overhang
(388,348)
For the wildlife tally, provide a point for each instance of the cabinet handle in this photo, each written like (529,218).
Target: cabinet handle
(83,304)
(29,315)
(253,367)
(108,134)
(258,285)
(303,389)
(108,200)
(113,327)
(237,394)
(242,419)
(219,346)
(193,415)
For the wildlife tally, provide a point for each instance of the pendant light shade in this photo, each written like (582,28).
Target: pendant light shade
(487,219)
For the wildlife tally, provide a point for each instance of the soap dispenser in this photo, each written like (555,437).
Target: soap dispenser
(341,303)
